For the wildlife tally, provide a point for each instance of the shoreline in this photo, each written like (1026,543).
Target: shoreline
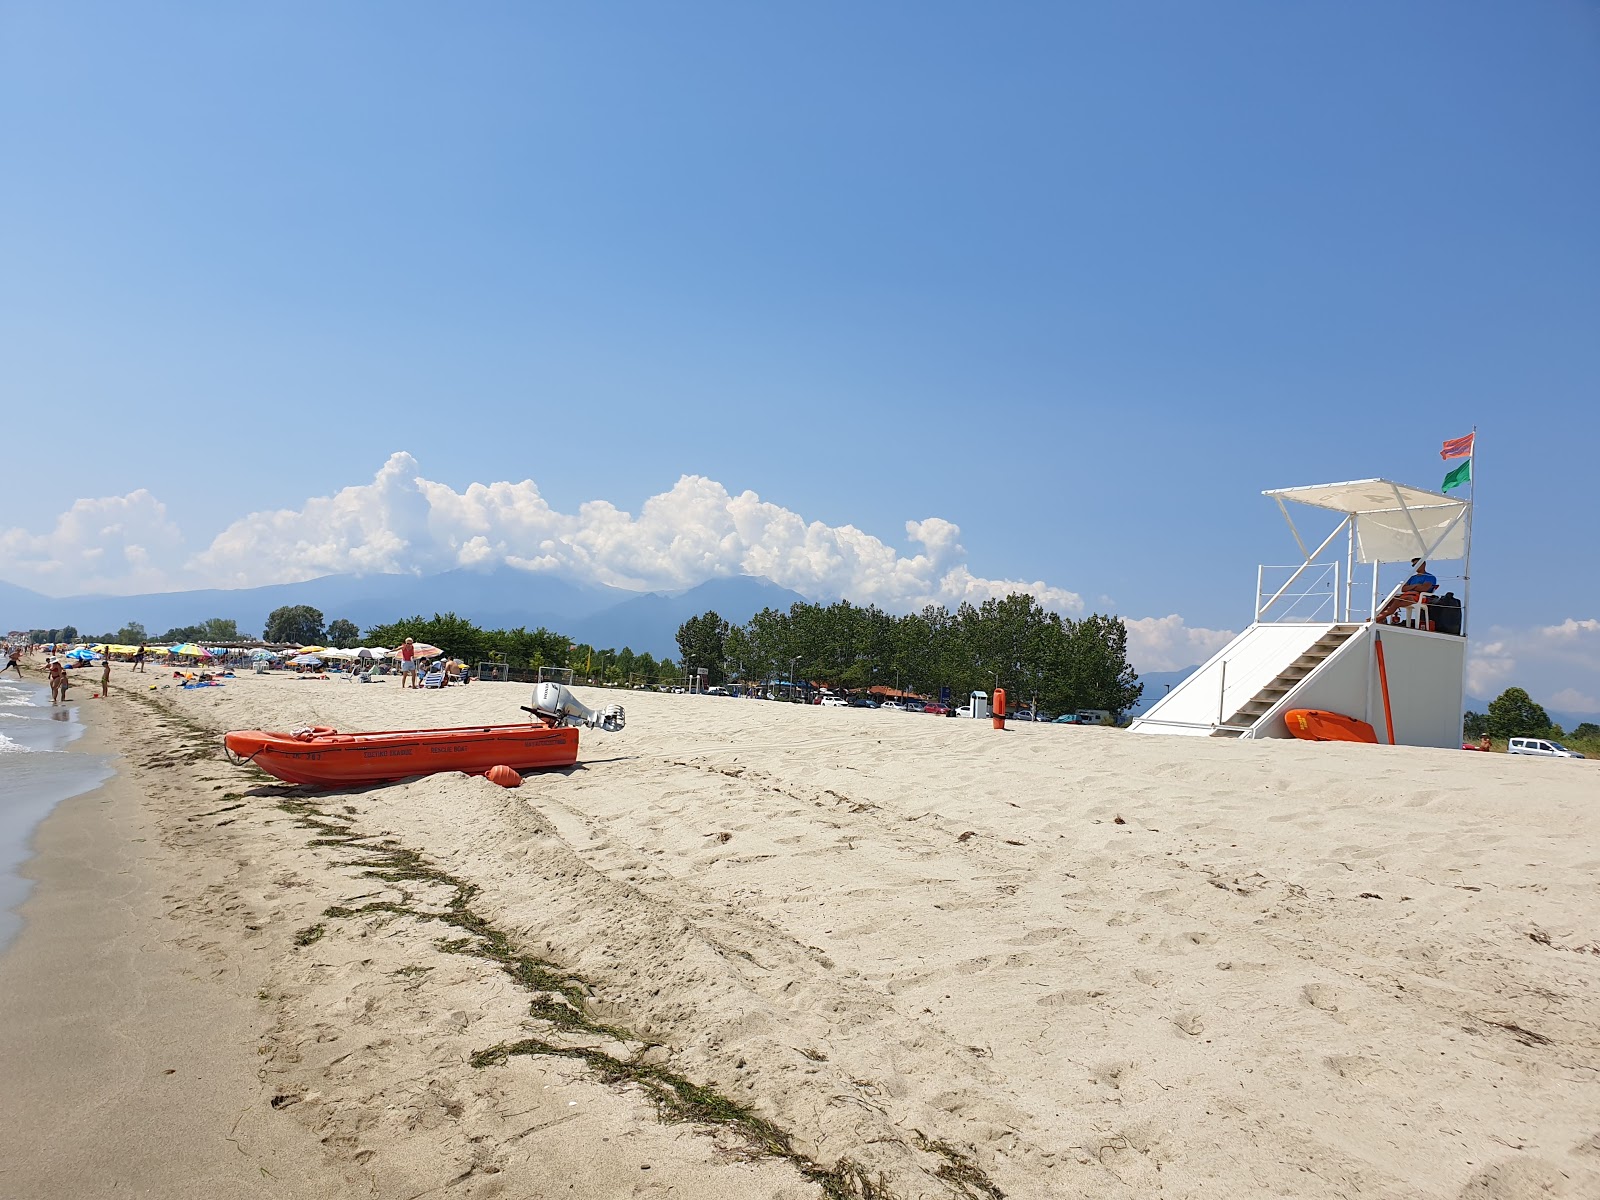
(158,1021)
(123,1053)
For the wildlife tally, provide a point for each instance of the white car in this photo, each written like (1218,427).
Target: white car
(835,702)
(894,706)
(1542,747)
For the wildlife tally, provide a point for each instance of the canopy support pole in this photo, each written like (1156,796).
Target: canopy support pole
(1292,529)
(1300,570)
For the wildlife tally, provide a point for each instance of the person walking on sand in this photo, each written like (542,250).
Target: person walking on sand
(58,681)
(138,659)
(408,663)
(12,654)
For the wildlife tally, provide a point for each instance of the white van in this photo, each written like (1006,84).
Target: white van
(1543,747)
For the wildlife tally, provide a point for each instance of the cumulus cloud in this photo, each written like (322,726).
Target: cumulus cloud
(697,530)
(401,521)
(1542,659)
(116,543)
(1167,644)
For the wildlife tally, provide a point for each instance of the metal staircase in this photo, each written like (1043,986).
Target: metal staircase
(1287,680)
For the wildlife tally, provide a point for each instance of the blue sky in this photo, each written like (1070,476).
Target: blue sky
(1080,280)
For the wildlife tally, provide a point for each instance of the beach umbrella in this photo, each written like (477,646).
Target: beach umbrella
(81,654)
(312,649)
(340,655)
(423,650)
(306,660)
(373,652)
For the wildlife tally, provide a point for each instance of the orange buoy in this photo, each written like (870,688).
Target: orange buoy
(998,712)
(504,776)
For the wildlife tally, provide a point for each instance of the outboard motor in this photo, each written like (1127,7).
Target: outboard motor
(554,703)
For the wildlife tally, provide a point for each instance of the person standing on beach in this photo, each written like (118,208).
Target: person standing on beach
(58,681)
(105,675)
(138,659)
(408,663)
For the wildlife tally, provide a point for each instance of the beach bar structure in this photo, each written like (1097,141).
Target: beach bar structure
(1314,642)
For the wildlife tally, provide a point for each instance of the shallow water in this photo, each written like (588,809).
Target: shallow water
(36,774)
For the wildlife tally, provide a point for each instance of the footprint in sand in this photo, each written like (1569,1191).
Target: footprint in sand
(1324,998)
(1351,1066)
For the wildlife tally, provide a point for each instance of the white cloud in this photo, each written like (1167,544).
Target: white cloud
(1543,659)
(1167,644)
(1572,700)
(117,543)
(403,522)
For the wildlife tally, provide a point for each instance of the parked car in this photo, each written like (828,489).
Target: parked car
(1541,747)
(892,706)
(935,710)
(1024,714)
(863,702)
(964,711)
(1067,719)
(834,702)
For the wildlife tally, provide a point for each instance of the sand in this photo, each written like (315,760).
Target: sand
(943,959)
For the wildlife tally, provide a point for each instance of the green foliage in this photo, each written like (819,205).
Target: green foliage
(1587,731)
(1036,655)
(294,623)
(457,636)
(343,634)
(1474,725)
(702,643)
(67,633)
(130,634)
(1514,714)
(214,629)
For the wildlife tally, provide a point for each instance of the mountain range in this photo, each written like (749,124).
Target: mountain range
(501,598)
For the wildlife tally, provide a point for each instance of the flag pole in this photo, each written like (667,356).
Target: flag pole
(1466,573)
(1466,557)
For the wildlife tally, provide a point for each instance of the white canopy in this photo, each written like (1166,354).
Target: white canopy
(1394,522)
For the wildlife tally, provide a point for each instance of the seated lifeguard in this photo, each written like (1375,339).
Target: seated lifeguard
(1421,584)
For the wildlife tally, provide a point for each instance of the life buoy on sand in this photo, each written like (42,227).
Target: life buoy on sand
(1315,725)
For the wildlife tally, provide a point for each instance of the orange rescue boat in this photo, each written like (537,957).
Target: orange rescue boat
(327,758)
(1314,725)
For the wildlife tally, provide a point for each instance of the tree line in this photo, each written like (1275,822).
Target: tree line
(1038,656)
(1514,713)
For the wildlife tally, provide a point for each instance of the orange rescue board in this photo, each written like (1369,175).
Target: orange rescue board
(328,759)
(1314,725)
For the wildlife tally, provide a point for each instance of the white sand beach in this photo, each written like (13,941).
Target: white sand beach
(940,959)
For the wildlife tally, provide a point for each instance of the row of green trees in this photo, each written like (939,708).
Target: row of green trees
(1036,655)
(1514,713)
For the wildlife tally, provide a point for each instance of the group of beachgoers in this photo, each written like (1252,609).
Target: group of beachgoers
(56,673)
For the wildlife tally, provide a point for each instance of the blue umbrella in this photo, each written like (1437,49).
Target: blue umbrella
(82,654)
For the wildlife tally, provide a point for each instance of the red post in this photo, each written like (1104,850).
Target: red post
(998,712)
(1383,682)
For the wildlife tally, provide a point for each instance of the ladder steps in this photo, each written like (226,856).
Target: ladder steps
(1286,681)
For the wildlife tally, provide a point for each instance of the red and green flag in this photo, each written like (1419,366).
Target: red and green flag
(1460,447)
(1462,474)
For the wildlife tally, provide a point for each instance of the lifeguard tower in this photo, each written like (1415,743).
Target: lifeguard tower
(1314,641)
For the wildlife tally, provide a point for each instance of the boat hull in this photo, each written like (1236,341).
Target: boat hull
(1314,725)
(329,759)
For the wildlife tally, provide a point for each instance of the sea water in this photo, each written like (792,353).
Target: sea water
(36,773)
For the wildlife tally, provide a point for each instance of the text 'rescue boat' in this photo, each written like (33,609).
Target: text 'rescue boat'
(326,758)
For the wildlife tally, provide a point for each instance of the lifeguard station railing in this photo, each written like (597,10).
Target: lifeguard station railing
(1310,593)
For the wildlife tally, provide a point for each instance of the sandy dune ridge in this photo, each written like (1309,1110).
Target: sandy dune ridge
(1044,962)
